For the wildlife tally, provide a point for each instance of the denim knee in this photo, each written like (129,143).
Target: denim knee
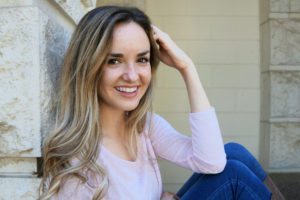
(238,172)
(235,181)
(235,150)
(235,146)
(234,168)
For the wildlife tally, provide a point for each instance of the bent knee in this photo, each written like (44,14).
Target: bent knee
(235,151)
(235,167)
(234,145)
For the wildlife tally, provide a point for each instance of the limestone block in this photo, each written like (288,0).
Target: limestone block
(294,6)
(285,145)
(19,165)
(285,94)
(279,5)
(76,9)
(19,80)
(285,46)
(13,3)
(53,43)
(19,188)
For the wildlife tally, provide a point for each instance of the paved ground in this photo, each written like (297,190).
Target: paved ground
(289,184)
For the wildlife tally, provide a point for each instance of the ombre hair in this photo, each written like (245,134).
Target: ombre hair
(77,133)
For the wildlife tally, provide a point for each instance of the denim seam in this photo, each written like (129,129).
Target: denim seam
(252,193)
(253,196)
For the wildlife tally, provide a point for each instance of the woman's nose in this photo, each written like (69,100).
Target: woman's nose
(130,73)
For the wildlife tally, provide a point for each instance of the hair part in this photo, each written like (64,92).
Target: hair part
(77,133)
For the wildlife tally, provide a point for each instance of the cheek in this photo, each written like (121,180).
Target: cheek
(105,83)
(101,90)
(108,77)
(147,75)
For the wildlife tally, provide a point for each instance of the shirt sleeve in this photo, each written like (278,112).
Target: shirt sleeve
(203,152)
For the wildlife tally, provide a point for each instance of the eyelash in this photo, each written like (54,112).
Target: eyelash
(114,61)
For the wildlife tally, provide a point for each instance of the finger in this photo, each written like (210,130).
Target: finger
(157,33)
(160,37)
(154,34)
(156,30)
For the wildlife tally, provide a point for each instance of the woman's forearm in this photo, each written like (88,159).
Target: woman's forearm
(173,56)
(197,96)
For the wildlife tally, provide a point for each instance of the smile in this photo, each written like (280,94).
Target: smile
(127,89)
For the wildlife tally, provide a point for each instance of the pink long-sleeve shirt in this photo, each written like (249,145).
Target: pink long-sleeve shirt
(203,152)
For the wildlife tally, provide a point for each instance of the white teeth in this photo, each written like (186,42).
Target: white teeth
(126,89)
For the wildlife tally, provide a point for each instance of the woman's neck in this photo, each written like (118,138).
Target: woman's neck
(112,122)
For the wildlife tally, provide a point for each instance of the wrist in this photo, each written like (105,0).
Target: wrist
(187,69)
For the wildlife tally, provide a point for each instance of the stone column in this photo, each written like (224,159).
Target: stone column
(280,78)
(33,38)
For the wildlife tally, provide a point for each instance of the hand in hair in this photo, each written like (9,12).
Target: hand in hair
(172,55)
(169,52)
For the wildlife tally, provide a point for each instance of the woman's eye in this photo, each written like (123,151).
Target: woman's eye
(143,60)
(113,61)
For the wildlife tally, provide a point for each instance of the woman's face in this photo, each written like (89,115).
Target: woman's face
(127,72)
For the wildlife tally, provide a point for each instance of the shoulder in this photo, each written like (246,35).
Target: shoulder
(156,123)
(154,119)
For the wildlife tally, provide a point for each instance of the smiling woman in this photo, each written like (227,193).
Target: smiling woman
(106,139)
(127,72)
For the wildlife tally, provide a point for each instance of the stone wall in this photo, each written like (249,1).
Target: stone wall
(33,38)
(280,72)
(34,35)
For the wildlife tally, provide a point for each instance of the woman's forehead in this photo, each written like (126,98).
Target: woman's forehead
(129,36)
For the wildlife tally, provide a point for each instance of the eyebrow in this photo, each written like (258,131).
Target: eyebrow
(119,55)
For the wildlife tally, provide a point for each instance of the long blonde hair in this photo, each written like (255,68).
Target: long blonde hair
(77,131)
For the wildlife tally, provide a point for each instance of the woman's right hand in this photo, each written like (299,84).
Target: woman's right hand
(169,52)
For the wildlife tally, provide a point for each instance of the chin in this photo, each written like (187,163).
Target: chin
(130,108)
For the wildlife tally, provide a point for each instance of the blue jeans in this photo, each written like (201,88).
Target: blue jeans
(242,179)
